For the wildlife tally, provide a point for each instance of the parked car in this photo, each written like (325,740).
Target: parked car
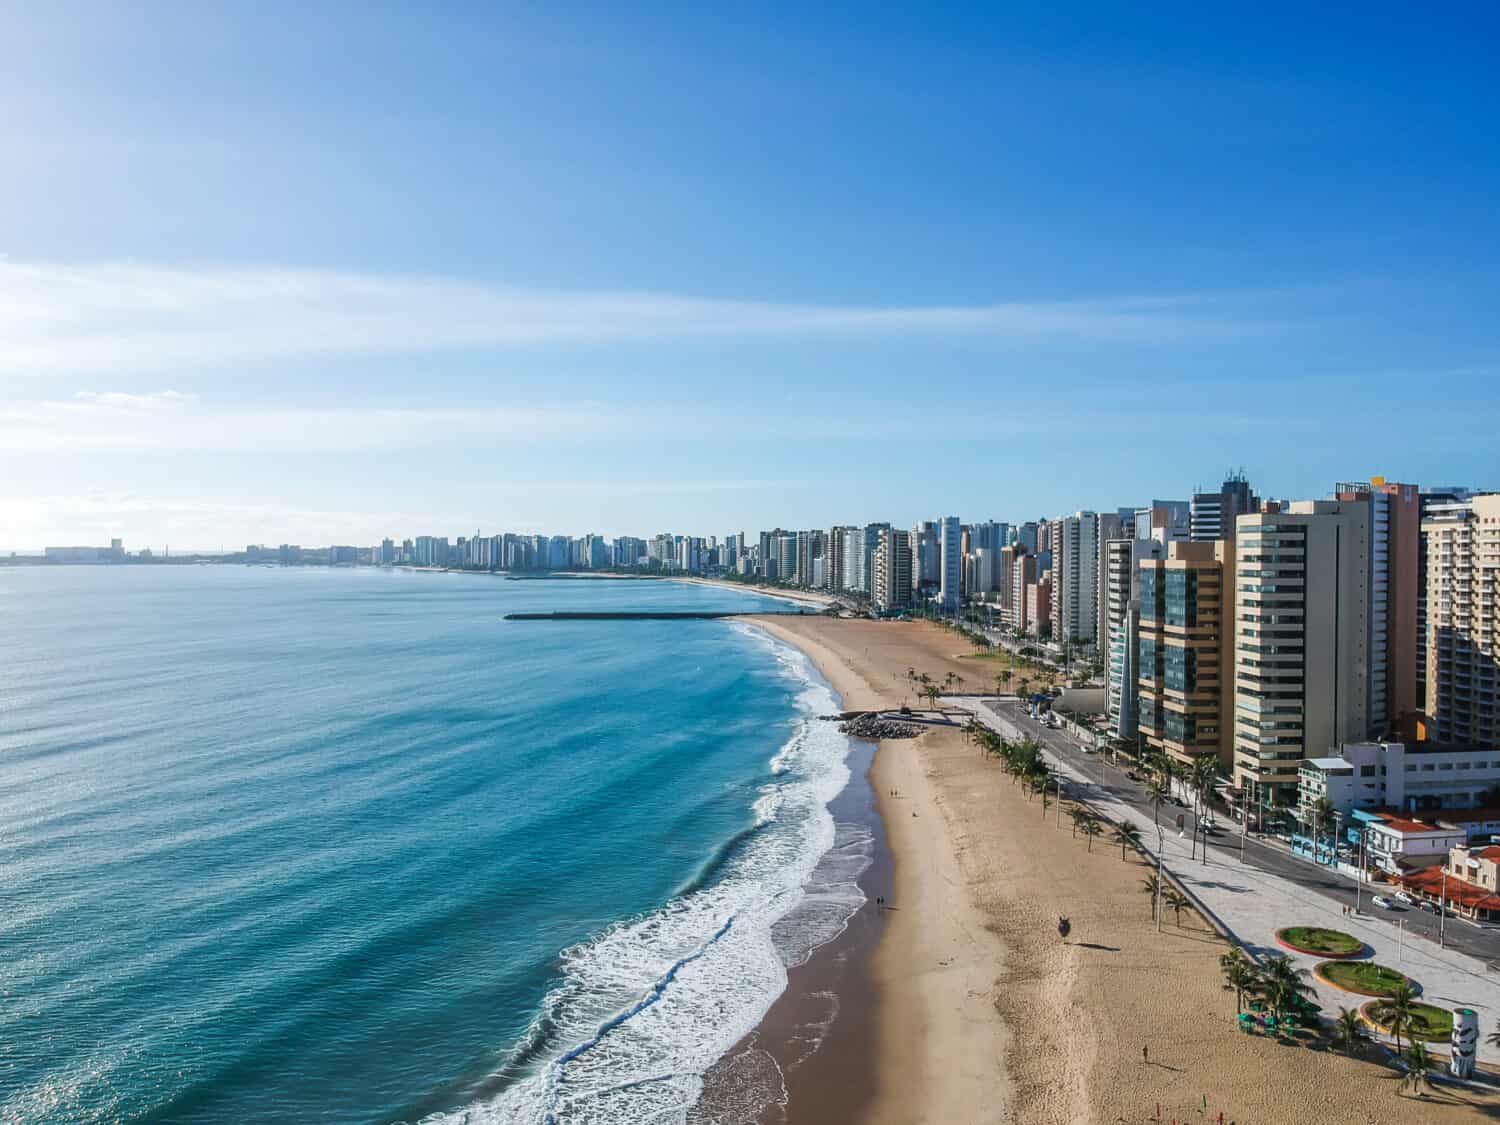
(1405,897)
(1385,903)
(1429,907)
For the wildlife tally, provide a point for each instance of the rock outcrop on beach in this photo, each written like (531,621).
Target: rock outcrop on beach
(875,727)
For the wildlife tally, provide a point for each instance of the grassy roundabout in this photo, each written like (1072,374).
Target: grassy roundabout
(1428,1023)
(1318,942)
(1364,977)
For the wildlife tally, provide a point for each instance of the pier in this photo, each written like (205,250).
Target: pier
(655,615)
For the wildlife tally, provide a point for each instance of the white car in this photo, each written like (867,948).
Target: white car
(1404,897)
(1384,903)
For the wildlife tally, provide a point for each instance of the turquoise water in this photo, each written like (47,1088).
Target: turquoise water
(344,846)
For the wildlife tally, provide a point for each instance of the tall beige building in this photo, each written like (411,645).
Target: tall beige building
(891,581)
(1463,643)
(1301,660)
(1186,650)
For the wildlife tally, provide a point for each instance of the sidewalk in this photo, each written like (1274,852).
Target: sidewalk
(1254,904)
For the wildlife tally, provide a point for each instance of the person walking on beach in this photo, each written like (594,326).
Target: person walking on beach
(1145,1054)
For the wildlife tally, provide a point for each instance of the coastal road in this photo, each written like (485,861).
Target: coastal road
(1477,941)
(1270,889)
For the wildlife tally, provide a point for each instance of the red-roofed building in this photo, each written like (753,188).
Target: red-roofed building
(1469,883)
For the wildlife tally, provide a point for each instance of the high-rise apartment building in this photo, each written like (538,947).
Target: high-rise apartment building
(809,550)
(1121,631)
(1436,504)
(891,586)
(1110,526)
(1212,514)
(833,559)
(1075,578)
(950,563)
(785,549)
(926,562)
(1185,658)
(1302,596)
(1022,573)
(982,572)
(990,535)
(1166,521)
(1039,605)
(1395,590)
(1463,622)
(1026,536)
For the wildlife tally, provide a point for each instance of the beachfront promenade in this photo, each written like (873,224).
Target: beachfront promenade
(1253,903)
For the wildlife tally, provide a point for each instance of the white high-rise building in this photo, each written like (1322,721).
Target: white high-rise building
(950,563)
(1462,654)
(1075,578)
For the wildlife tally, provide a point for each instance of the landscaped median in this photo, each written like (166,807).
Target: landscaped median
(1428,1023)
(1364,978)
(1314,941)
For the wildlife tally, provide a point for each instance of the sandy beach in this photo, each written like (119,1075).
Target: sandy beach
(982,1014)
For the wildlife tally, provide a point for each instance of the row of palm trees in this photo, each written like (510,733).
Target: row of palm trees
(1022,760)
(925,687)
(1201,780)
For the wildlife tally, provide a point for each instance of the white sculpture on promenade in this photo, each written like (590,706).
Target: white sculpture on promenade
(1465,1042)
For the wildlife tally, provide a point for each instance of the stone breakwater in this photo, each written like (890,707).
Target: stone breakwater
(873,728)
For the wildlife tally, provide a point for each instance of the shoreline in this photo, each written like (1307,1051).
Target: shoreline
(926,968)
(976,1010)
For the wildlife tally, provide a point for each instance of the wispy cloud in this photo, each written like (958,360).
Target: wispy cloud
(126,317)
(173,420)
(182,422)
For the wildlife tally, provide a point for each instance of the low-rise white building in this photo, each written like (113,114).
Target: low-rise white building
(1419,777)
(1394,843)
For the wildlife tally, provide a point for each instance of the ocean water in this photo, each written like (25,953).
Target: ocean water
(344,846)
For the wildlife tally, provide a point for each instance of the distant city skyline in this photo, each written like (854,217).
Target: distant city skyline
(286,277)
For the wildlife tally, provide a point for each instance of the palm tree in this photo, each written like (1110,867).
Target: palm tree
(1159,792)
(1079,815)
(1177,902)
(1418,1063)
(1240,977)
(1281,982)
(1023,687)
(1395,1011)
(1205,776)
(1127,836)
(1002,678)
(1091,827)
(1151,885)
(1349,1033)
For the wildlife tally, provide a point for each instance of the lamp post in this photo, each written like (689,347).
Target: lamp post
(1160,846)
(1244,816)
(1359,871)
(1443,907)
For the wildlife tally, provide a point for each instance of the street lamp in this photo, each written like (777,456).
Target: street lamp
(1443,907)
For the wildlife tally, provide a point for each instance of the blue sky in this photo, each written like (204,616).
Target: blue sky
(331,272)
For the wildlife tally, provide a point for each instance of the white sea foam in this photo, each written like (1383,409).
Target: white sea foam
(646,1008)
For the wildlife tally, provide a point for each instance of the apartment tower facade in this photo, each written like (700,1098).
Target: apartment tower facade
(1186,655)
(1463,647)
(1301,641)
